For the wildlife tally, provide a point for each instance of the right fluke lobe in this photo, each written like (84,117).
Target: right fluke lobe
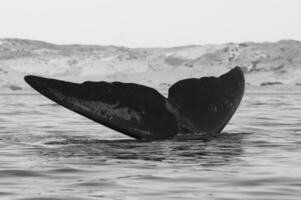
(206,105)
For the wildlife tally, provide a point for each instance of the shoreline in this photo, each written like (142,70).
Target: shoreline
(249,90)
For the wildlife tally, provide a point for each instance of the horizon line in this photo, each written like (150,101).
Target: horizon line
(142,47)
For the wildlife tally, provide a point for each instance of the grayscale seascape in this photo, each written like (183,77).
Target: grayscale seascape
(203,100)
(49,152)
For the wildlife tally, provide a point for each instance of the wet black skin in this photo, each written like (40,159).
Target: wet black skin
(194,106)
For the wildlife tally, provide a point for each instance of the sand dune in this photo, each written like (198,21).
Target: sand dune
(265,64)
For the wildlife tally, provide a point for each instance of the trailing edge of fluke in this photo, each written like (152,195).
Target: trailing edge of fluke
(194,106)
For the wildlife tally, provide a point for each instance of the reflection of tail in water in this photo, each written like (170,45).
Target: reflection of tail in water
(220,150)
(194,106)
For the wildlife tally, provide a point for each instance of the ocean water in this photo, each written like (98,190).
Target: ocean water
(48,152)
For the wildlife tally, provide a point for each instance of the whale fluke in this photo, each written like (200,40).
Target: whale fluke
(194,106)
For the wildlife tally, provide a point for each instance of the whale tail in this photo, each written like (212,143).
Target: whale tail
(202,106)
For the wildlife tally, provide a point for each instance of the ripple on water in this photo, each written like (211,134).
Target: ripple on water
(48,152)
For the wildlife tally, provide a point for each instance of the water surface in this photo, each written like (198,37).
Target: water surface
(49,152)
